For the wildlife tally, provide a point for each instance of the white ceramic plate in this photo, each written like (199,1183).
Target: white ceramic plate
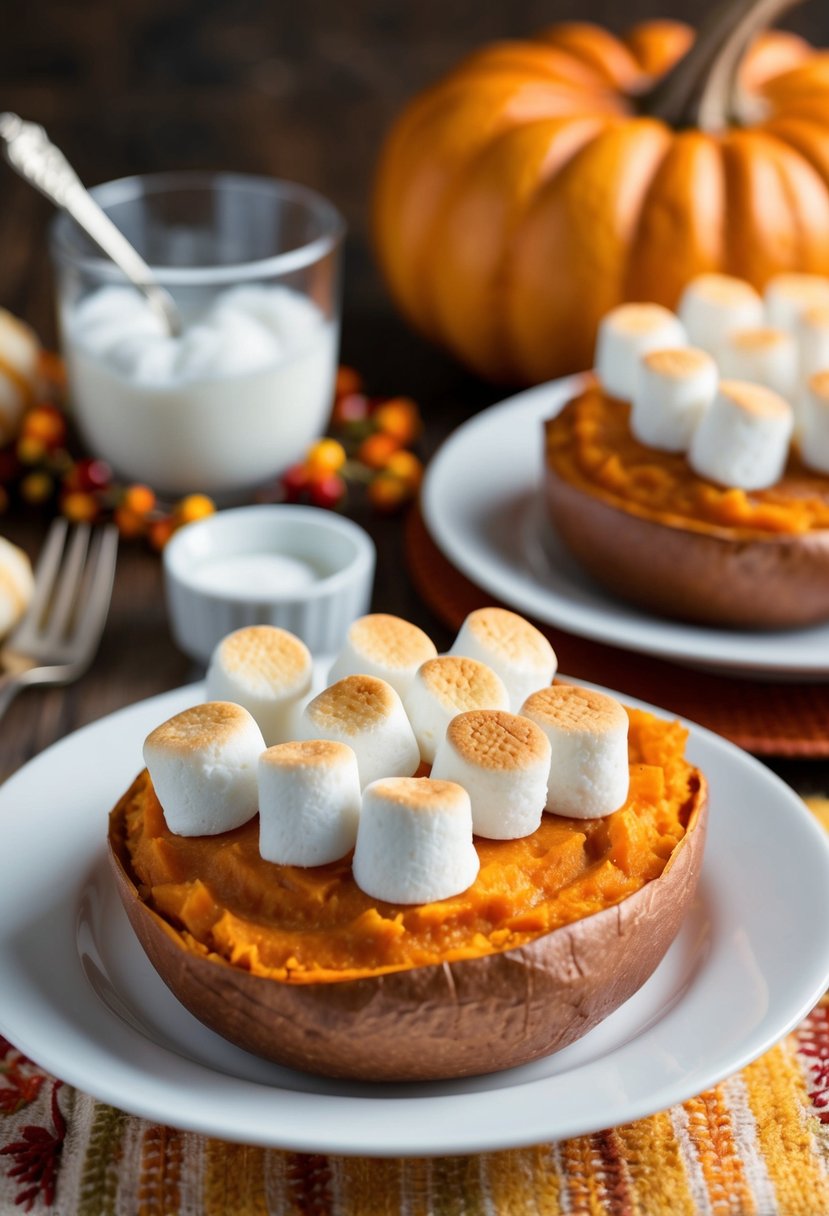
(482,506)
(78,995)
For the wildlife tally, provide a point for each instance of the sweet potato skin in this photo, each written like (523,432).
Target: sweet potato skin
(457,1019)
(708,575)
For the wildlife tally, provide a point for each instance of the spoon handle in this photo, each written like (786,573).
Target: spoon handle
(31,153)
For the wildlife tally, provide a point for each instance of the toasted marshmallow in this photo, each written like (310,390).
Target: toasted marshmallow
(588,732)
(503,762)
(203,766)
(17,584)
(366,713)
(788,296)
(268,671)
(383,646)
(512,647)
(625,334)
(814,439)
(743,439)
(309,802)
(414,842)
(674,388)
(445,687)
(763,355)
(714,304)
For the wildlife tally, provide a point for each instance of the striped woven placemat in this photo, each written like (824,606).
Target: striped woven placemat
(765,717)
(758,1143)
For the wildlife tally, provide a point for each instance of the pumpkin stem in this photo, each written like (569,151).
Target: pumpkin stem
(700,91)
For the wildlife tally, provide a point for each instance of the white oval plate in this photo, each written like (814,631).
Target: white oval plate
(78,995)
(481,505)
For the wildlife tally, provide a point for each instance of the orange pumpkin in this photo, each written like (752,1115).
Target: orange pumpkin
(543,182)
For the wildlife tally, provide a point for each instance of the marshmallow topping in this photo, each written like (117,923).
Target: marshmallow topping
(414,841)
(587,731)
(625,334)
(674,388)
(514,649)
(267,670)
(444,687)
(309,802)
(503,762)
(384,646)
(714,304)
(743,438)
(203,766)
(367,714)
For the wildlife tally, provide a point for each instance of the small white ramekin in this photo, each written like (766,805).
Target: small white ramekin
(319,613)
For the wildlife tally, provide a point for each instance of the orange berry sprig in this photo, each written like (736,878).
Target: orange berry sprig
(368,451)
(39,469)
(368,447)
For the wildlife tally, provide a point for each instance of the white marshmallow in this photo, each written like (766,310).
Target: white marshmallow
(814,440)
(812,334)
(367,714)
(503,762)
(743,438)
(789,295)
(674,388)
(445,687)
(384,646)
(511,646)
(588,731)
(762,355)
(309,802)
(714,304)
(203,767)
(17,585)
(625,334)
(268,671)
(414,842)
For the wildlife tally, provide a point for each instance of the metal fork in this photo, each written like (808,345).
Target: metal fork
(57,638)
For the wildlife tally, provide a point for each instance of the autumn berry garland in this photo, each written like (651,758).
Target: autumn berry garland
(367,453)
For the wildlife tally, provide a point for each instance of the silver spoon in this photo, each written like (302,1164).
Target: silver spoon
(31,153)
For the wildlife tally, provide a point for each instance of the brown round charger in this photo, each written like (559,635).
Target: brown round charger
(765,717)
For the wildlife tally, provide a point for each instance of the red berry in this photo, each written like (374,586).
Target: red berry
(90,475)
(295,481)
(354,407)
(327,491)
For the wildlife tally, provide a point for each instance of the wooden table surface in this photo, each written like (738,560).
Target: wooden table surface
(153,85)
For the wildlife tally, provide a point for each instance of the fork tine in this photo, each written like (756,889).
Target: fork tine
(68,584)
(97,590)
(46,570)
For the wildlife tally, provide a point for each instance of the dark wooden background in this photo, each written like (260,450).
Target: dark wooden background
(298,90)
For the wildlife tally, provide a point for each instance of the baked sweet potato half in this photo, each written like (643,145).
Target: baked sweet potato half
(447,1019)
(645,527)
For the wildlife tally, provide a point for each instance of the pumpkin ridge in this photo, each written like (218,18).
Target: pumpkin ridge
(681,223)
(630,265)
(505,266)
(453,232)
(797,133)
(576,229)
(657,45)
(432,174)
(598,47)
(805,257)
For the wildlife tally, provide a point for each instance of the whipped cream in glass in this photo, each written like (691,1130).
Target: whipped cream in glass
(239,395)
